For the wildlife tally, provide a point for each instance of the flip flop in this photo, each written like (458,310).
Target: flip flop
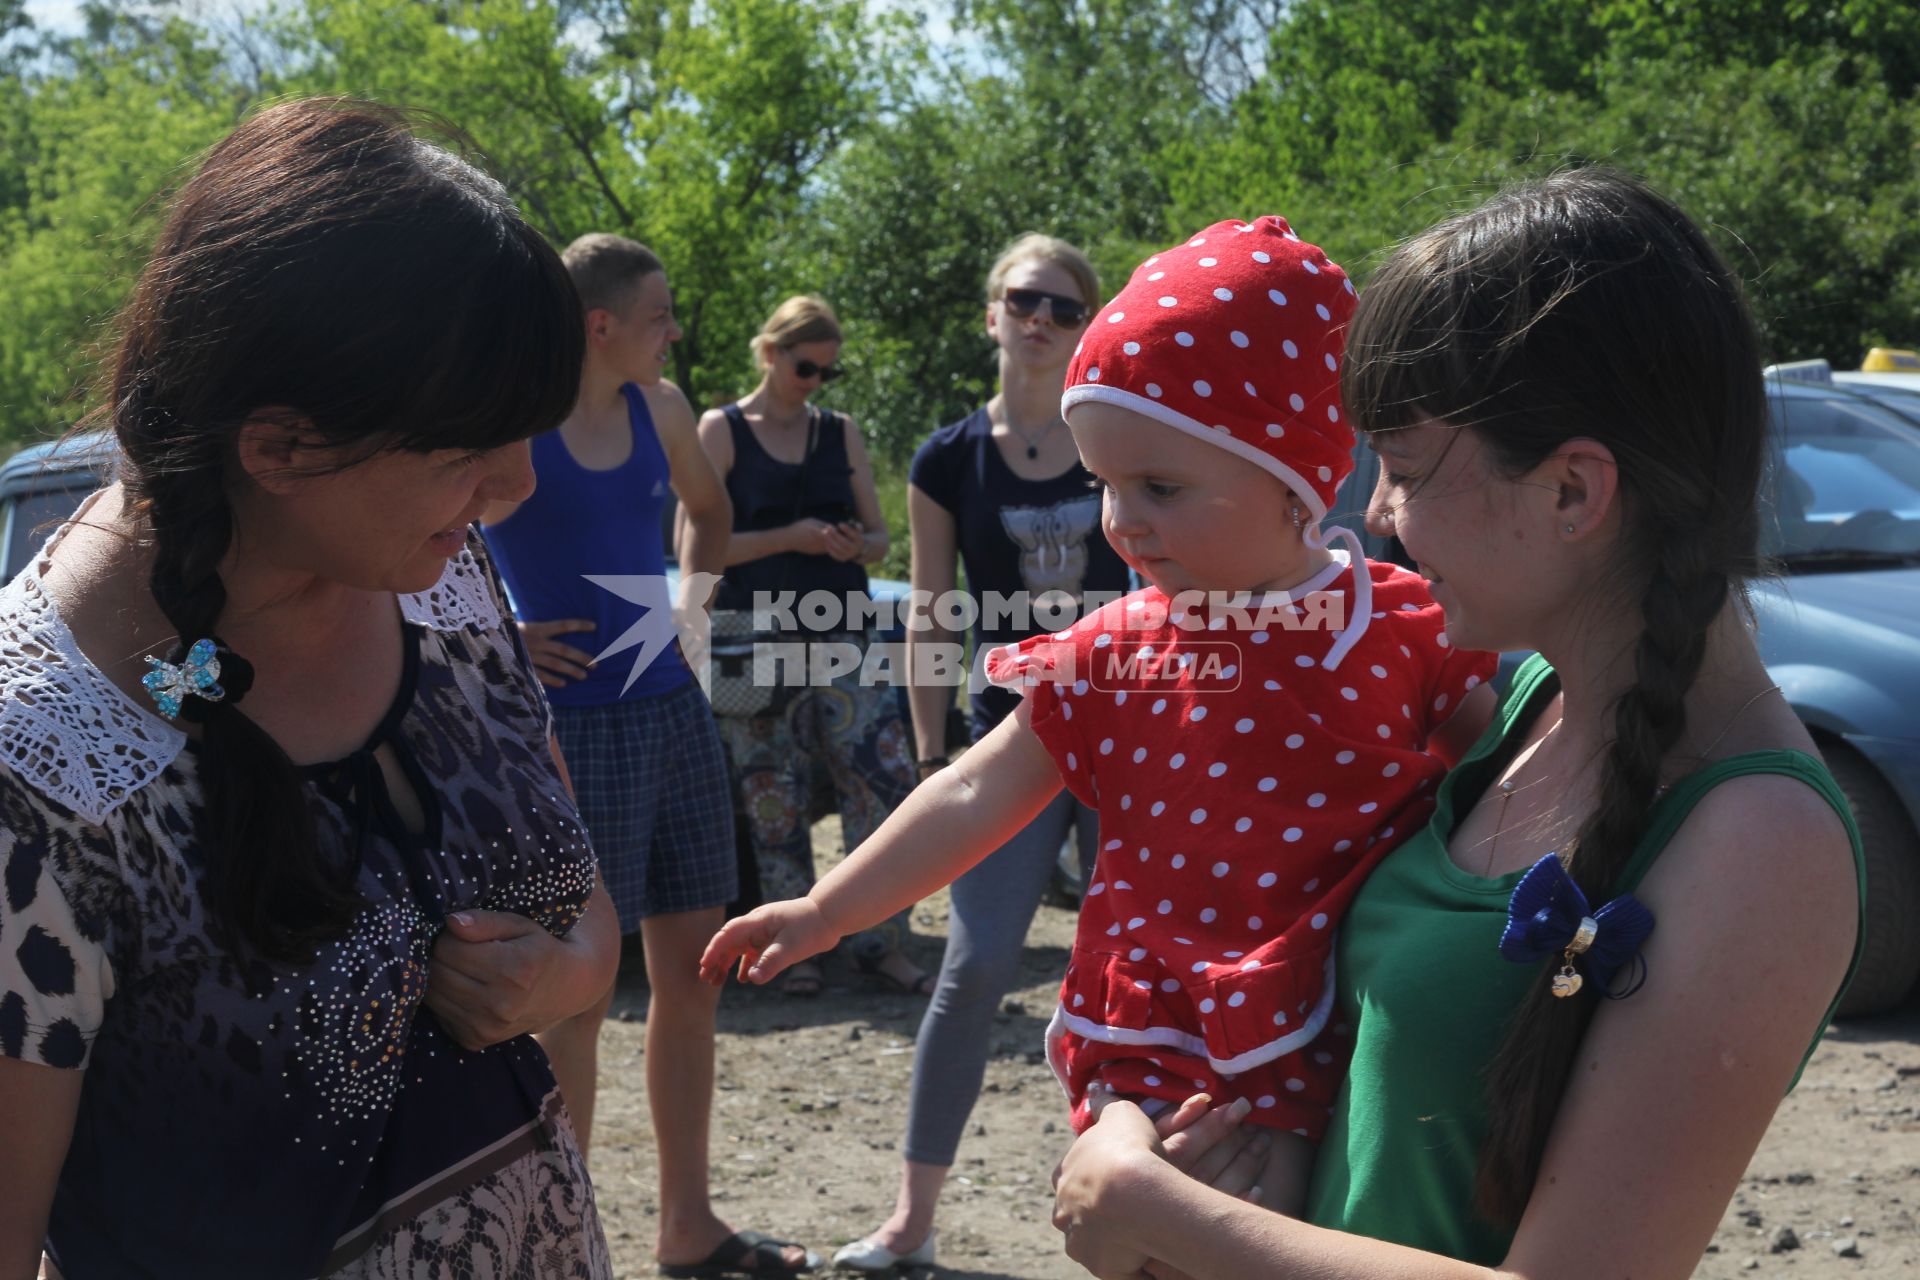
(744,1253)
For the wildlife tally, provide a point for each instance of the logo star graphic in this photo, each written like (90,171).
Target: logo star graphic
(657,627)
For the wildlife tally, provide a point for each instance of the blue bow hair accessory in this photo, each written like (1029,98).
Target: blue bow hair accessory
(197,675)
(1549,914)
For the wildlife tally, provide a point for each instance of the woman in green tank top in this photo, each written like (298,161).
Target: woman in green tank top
(1564,388)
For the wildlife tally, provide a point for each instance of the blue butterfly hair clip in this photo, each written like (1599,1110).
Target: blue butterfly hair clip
(1548,914)
(196,676)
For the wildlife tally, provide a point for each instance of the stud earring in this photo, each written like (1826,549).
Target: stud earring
(1569,528)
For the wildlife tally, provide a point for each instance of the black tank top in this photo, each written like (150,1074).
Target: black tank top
(770,494)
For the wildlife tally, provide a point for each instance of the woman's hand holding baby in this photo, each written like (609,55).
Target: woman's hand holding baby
(1209,1143)
(1096,1183)
(766,940)
(1097,1180)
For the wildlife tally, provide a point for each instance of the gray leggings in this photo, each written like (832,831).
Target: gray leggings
(992,906)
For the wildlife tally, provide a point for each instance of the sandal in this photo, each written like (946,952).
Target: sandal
(744,1253)
(803,981)
(923,985)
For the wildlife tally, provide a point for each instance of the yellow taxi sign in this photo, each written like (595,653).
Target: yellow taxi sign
(1891,360)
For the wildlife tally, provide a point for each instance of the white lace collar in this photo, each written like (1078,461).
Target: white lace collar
(79,739)
(462,598)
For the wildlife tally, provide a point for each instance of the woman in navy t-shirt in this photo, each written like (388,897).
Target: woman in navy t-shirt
(1003,489)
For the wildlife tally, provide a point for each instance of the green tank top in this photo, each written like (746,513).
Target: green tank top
(1427,996)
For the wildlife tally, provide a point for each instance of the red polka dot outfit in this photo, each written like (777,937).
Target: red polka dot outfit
(1249,767)
(1240,810)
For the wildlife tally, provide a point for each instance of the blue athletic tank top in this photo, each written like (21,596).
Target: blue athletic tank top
(580,522)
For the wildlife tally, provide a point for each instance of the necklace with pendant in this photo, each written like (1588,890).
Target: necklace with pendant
(1033,443)
(1508,790)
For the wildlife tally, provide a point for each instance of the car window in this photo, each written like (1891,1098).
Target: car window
(1845,478)
(1899,399)
(31,518)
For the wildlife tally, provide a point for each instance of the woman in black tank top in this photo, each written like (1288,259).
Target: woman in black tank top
(806,524)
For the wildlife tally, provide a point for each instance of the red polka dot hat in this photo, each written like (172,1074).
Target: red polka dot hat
(1235,338)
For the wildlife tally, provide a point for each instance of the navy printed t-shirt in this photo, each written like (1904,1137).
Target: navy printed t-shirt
(1014,535)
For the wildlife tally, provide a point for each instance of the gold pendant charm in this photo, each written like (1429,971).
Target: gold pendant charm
(1568,981)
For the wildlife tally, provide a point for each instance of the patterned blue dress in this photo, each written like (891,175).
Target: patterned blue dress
(244,1119)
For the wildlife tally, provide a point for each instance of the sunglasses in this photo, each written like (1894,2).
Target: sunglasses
(1067,313)
(805,369)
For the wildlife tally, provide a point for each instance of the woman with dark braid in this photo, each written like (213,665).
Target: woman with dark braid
(292,869)
(1577,998)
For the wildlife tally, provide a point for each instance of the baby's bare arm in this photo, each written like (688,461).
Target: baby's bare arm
(945,826)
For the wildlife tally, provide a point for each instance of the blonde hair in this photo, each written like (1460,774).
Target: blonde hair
(1034,247)
(803,318)
(605,268)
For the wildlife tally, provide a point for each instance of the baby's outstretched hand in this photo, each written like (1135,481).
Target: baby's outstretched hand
(767,940)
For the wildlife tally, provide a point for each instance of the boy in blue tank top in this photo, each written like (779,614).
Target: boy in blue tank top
(584,558)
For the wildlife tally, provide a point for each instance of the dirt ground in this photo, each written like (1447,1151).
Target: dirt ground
(812,1097)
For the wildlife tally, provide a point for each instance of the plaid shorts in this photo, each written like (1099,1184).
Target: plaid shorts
(654,793)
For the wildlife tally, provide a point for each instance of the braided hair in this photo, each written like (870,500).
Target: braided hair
(1585,305)
(328,269)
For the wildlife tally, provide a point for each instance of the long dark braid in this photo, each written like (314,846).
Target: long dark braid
(1585,306)
(270,889)
(1682,598)
(328,272)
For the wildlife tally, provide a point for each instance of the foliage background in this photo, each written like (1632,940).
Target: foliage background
(881,152)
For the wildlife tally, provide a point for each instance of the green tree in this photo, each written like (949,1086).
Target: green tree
(1803,171)
(766,147)
(693,127)
(1763,32)
(1790,130)
(1058,119)
(97,129)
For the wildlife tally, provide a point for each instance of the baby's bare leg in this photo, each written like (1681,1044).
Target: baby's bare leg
(1283,1182)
